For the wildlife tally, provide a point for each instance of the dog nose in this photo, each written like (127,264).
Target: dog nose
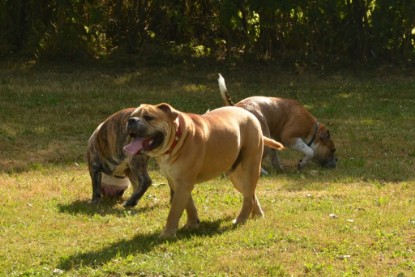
(132,120)
(332,163)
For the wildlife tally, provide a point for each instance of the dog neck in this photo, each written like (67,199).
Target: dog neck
(315,134)
(177,135)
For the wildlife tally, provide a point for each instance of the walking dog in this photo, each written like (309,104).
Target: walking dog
(111,170)
(191,149)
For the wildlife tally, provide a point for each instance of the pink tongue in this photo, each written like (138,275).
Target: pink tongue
(134,146)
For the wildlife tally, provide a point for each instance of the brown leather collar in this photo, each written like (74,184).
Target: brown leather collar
(314,135)
(177,136)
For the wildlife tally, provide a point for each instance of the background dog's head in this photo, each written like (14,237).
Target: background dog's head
(151,129)
(324,153)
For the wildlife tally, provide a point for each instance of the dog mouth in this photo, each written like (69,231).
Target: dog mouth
(329,164)
(141,145)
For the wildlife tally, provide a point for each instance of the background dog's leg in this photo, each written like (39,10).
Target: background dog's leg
(299,145)
(275,160)
(140,185)
(268,152)
(96,176)
(139,178)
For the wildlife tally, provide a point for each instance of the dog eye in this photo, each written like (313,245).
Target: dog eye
(148,118)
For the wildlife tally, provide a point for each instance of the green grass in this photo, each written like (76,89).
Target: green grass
(48,227)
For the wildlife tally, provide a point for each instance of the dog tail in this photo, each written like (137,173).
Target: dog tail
(224,92)
(272,143)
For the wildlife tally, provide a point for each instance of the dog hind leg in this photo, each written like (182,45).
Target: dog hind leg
(246,184)
(268,152)
(257,210)
(275,160)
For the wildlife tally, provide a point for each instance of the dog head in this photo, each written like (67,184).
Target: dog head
(151,129)
(324,151)
(113,187)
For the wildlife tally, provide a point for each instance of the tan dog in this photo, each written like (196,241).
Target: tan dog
(191,148)
(111,170)
(287,121)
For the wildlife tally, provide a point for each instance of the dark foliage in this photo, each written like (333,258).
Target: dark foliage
(320,32)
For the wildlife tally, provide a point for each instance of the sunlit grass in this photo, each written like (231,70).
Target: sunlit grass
(310,226)
(355,220)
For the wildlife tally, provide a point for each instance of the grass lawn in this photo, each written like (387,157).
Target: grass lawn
(358,219)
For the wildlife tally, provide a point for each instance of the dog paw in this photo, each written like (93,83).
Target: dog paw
(301,165)
(190,225)
(167,234)
(238,221)
(95,200)
(279,169)
(264,172)
(130,204)
(257,214)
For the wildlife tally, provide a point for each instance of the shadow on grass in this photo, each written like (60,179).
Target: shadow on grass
(105,207)
(141,243)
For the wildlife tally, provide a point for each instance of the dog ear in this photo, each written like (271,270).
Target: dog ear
(325,135)
(173,113)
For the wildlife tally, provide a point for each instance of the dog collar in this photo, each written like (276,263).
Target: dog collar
(177,136)
(315,134)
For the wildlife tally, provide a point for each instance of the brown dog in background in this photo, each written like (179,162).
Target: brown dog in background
(192,148)
(287,121)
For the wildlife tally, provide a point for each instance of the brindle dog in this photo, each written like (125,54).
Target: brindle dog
(111,170)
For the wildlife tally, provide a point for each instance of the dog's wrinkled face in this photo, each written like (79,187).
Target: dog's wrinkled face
(150,128)
(324,153)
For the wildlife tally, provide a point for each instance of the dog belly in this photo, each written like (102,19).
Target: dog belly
(208,175)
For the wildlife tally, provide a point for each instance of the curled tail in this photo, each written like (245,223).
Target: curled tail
(224,92)
(272,143)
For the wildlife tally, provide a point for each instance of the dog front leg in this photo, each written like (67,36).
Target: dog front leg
(193,220)
(140,185)
(139,178)
(299,145)
(96,176)
(181,198)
